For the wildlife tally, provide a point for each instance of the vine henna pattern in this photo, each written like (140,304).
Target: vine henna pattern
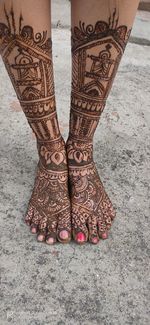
(96,53)
(28,60)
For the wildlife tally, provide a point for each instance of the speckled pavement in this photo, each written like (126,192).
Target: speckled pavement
(69,284)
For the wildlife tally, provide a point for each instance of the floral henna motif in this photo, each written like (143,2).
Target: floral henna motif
(28,60)
(96,53)
(53,154)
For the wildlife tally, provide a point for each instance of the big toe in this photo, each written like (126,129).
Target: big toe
(80,234)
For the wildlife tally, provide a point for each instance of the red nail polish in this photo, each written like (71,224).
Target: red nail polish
(80,237)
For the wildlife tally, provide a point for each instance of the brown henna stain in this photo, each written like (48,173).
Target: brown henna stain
(28,60)
(96,51)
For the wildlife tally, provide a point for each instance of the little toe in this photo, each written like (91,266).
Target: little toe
(102,229)
(35,222)
(29,216)
(104,235)
(33,228)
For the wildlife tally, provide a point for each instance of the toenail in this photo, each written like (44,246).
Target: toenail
(50,240)
(63,234)
(80,237)
(95,240)
(40,237)
(33,230)
(104,235)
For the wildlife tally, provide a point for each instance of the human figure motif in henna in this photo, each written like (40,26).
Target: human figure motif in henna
(96,53)
(28,60)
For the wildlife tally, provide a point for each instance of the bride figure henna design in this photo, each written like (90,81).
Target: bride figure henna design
(28,60)
(96,52)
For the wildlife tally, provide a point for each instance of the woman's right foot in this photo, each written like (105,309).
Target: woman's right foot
(48,213)
(92,210)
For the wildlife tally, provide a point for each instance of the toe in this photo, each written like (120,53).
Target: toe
(63,234)
(64,227)
(42,227)
(104,235)
(107,209)
(50,240)
(51,236)
(80,237)
(102,228)
(93,231)
(80,234)
(35,222)
(29,215)
(33,228)
(79,228)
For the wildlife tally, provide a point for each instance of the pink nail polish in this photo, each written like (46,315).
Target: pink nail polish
(40,237)
(105,235)
(50,240)
(95,240)
(80,237)
(33,230)
(63,234)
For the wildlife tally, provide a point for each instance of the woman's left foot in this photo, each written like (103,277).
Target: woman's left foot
(92,210)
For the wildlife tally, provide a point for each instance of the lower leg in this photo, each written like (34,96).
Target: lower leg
(100,31)
(25,45)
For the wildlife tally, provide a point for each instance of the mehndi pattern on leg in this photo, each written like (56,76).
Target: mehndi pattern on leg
(28,60)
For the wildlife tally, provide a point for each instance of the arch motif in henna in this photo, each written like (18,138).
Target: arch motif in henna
(96,52)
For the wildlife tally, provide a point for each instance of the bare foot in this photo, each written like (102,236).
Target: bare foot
(48,213)
(92,211)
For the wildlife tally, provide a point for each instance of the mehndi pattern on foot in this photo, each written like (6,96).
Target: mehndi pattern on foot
(92,211)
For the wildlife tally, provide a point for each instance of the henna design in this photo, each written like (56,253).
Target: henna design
(90,204)
(77,153)
(53,154)
(96,53)
(28,60)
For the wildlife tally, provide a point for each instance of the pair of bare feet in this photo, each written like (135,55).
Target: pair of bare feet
(68,198)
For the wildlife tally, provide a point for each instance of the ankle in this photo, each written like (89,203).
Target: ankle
(79,152)
(52,154)
(79,142)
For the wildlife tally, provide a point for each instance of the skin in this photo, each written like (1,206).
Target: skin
(100,31)
(26,50)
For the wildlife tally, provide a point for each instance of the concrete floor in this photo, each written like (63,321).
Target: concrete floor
(72,285)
